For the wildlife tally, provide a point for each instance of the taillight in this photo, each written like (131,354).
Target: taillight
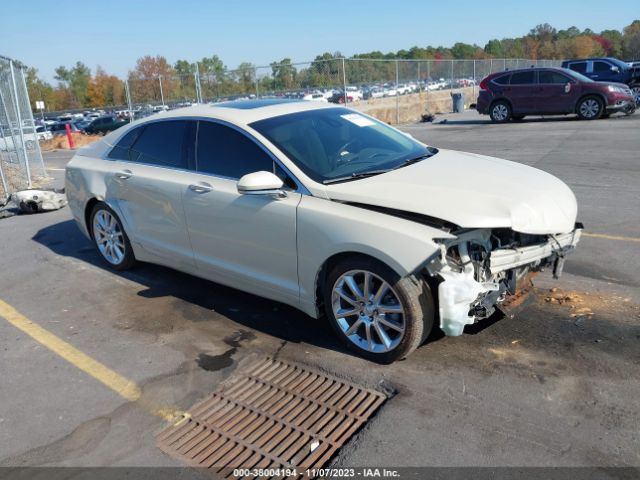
(484,84)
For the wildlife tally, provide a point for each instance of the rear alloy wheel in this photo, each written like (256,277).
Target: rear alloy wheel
(375,312)
(500,112)
(590,108)
(110,239)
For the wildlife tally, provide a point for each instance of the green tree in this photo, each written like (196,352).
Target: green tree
(463,50)
(76,81)
(494,48)
(543,32)
(615,41)
(284,74)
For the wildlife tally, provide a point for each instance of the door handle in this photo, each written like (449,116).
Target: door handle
(124,174)
(201,187)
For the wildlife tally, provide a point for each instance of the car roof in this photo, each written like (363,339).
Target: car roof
(243,112)
(530,69)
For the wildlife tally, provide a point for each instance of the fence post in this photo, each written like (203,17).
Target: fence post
(128,94)
(475,80)
(28,102)
(452,73)
(397,94)
(504,64)
(196,75)
(255,76)
(419,87)
(20,126)
(344,82)
(161,93)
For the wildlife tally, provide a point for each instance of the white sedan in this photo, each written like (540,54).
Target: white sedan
(323,208)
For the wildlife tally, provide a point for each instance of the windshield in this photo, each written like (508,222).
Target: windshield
(576,75)
(619,63)
(335,143)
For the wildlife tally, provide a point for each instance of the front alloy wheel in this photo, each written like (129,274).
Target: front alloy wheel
(368,311)
(376,313)
(591,108)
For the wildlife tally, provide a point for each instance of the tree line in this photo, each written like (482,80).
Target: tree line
(77,87)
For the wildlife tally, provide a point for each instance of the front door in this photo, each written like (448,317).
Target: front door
(244,241)
(556,92)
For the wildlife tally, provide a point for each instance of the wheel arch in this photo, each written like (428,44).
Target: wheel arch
(87,214)
(598,95)
(330,263)
(501,99)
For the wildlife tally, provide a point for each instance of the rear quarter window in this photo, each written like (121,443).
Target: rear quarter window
(502,80)
(580,67)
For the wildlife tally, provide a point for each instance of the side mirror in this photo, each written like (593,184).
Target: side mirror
(615,69)
(261,183)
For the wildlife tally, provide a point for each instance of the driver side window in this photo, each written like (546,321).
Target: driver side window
(225,152)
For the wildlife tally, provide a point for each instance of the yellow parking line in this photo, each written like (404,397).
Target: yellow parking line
(116,382)
(124,387)
(611,237)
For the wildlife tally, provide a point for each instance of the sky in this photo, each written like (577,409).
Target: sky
(114,33)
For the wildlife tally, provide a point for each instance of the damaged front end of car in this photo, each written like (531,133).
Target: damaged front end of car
(483,269)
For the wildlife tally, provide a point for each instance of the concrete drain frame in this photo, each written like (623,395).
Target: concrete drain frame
(275,417)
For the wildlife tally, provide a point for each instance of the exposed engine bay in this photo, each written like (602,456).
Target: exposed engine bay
(484,269)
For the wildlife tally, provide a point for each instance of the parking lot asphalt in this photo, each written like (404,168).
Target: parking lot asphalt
(555,386)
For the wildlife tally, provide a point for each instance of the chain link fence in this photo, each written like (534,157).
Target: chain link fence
(20,158)
(325,77)
(395,90)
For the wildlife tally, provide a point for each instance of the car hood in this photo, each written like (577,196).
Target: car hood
(471,191)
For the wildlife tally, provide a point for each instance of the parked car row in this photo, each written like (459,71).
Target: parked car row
(511,95)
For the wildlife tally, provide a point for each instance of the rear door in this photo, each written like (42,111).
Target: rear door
(521,92)
(146,184)
(557,93)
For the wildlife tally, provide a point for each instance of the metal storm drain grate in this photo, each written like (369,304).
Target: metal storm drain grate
(275,416)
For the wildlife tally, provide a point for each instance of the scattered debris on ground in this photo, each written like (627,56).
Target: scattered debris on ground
(33,201)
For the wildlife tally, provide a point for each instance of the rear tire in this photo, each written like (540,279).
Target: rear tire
(382,327)
(590,108)
(500,112)
(109,238)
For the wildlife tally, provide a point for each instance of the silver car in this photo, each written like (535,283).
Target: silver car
(325,209)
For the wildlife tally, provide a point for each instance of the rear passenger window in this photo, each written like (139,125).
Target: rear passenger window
(122,149)
(522,78)
(226,152)
(161,143)
(580,67)
(502,80)
(549,77)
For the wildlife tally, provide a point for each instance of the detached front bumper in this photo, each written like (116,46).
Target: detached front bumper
(463,300)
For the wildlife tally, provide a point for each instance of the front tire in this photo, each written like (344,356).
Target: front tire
(635,89)
(500,112)
(376,313)
(590,108)
(109,238)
